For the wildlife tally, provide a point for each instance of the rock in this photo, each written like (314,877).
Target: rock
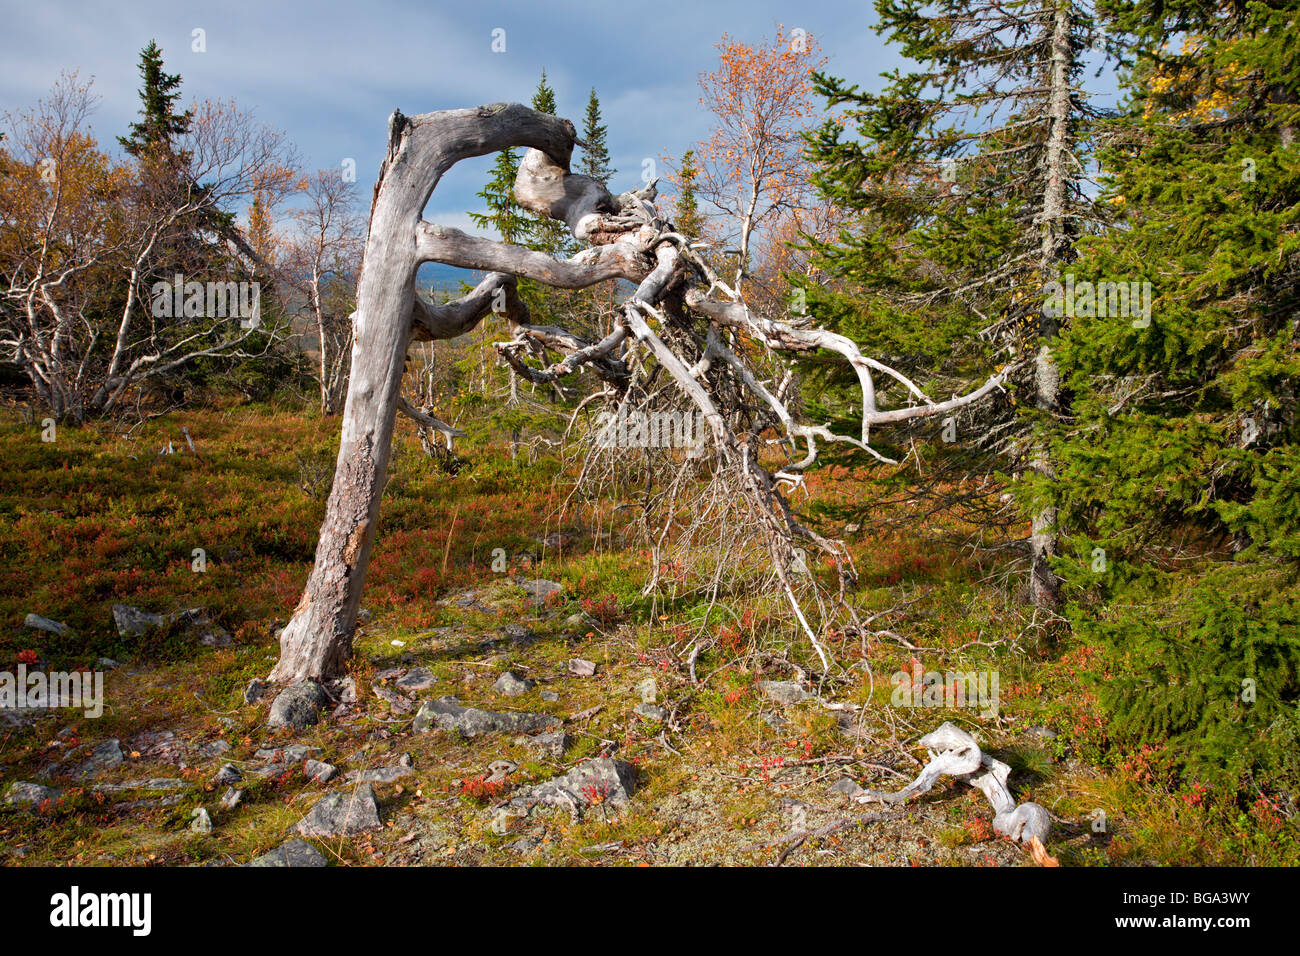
(106,755)
(552,744)
(107,664)
(846,786)
(213,749)
(518,635)
(447,714)
(548,695)
(45,624)
(365,615)
(511,686)
(405,760)
(24,794)
(294,753)
(379,775)
(228,774)
(342,814)
(580,668)
(200,821)
(416,679)
(298,706)
(291,853)
(601,780)
(1046,733)
(160,746)
(651,712)
(389,673)
(255,691)
(785,692)
(318,770)
(345,689)
(153,783)
(540,590)
(134,622)
(396,702)
(231,798)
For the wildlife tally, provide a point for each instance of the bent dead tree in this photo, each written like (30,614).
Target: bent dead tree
(682,321)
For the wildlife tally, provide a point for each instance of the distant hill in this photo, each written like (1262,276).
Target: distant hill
(437,277)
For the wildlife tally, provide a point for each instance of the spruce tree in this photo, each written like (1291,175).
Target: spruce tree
(963,182)
(595,154)
(159,93)
(1179,475)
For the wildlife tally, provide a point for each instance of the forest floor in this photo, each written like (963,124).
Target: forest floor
(728,768)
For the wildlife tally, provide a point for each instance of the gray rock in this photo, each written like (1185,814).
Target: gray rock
(106,755)
(255,691)
(601,780)
(345,689)
(45,624)
(160,746)
(214,748)
(518,635)
(298,706)
(651,712)
(231,798)
(339,814)
(379,775)
(416,679)
(447,714)
(200,822)
(107,664)
(294,753)
(227,775)
(846,786)
(580,668)
(291,853)
(540,590)
(24,794)
(511,686)
(153,783)
(134,622)
(396,702)
(318,770)
(552,744)
(548,695)
(783,691)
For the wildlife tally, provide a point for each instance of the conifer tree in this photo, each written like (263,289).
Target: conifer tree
(964,180)
(1180,475)
(595,154)
(159,122)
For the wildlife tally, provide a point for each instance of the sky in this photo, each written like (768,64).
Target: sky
(330,73)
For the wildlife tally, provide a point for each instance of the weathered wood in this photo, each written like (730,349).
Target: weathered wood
(318,639)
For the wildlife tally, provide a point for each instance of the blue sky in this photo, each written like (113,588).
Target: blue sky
(329,73)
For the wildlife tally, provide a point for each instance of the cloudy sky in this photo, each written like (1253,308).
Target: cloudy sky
(329,73)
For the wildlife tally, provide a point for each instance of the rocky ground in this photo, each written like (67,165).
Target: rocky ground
(528,732)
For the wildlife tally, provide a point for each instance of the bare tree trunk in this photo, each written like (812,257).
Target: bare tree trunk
(1044,586)
(318,639)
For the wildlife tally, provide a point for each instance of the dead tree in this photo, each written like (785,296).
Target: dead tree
(682,323)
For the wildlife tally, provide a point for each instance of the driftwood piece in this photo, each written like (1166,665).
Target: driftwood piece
(954,753)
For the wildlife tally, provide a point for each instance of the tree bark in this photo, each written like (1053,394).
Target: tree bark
(318,639)
(1044,586)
